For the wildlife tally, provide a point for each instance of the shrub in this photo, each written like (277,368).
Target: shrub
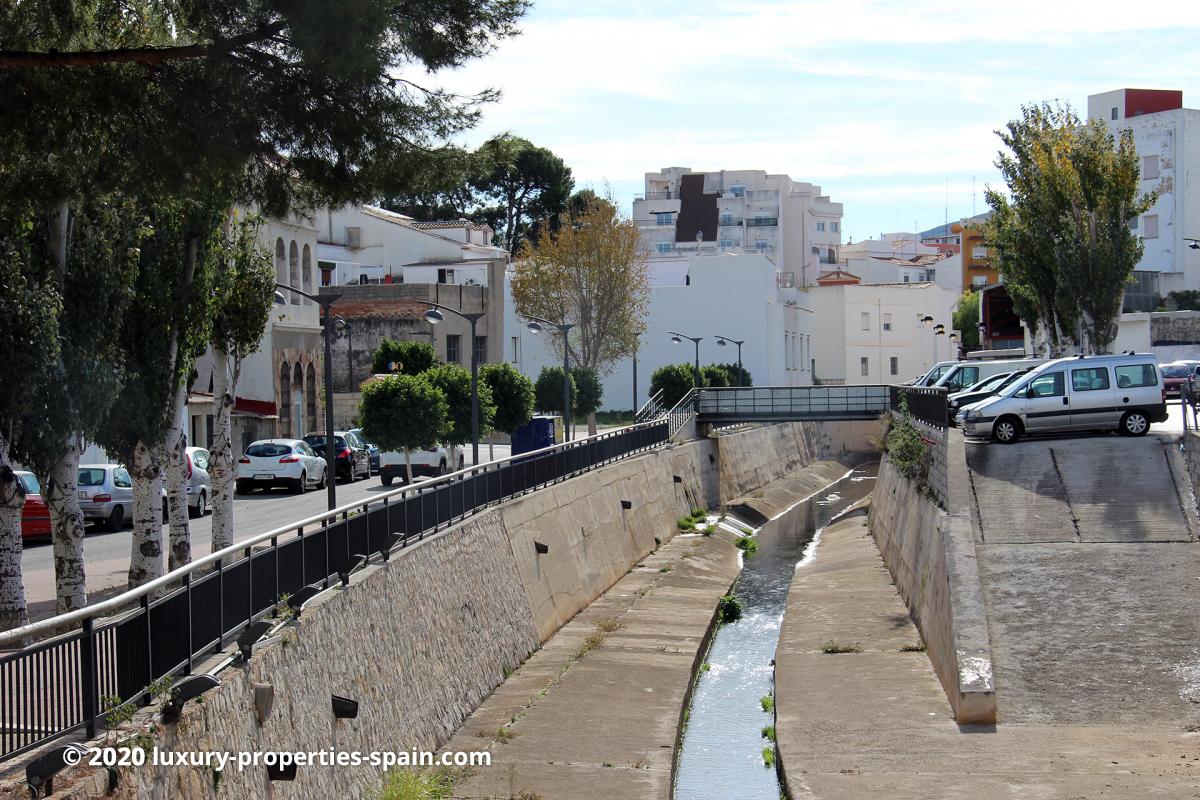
(548,390)
(512,393)
(747,545)
(685,524)
(588,391)
(413,357)
(412,784)
(768,703)
(768,754)
(905,447)
(674,381)
(729,608)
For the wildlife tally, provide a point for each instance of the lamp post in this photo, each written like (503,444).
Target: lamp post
(434,316)
(1193,244)
(324,301)
(677,338)
(537,324)
(724,340)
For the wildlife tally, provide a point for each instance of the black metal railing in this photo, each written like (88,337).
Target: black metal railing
(63,684)
(791,403)
(652,409)
(925,403)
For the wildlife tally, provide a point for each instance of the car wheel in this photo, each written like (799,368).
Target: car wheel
(386,480)
(1007,430)
(324,477)
(301,485)
(201,505)
(1134,423)
(116,519)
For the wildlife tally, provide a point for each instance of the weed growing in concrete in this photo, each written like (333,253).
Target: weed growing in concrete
(919,647)
(699,513)
(413,784)
(768,703)
(608,625)
(664,569)
(504,735)
(747,545)
(705,667)
(506,670)
(685,524)
(768,754)
(769,732)
(833,648)
(905,447)
(729,608)
(641,763)
(709,530)
(606,764)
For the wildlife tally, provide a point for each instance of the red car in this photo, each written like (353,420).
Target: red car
(1175,375)
(35,516)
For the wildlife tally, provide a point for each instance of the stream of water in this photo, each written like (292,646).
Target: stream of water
(722,753)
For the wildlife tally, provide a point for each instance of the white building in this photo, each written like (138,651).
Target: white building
(745,297)
(1167,137)
(739,211)
(872,333)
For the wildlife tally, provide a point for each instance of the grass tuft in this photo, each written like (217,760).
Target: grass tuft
(412,784)
(833,648)
(768,755)
(769,732)
(747,545)
(768,703)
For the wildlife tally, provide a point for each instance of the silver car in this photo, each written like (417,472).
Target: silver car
(105,494)
(199,488)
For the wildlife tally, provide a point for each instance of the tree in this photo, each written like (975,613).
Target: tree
(243,290)
(548,391)
(454,382)
(431,185)
(512,393)
(413,357)
(518,183)
(674,381)
(592,274)
(1063,238)
(714,375)
(402,412)
(29,310)
(735,375)
(588,395)
(966,319)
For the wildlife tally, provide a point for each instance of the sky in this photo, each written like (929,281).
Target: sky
(891,106)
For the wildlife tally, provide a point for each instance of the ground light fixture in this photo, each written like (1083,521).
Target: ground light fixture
(352,565)
(541,549)
(391,541)
(250,635)
(344,707)
(189,688)
(287,772)
(39,773)
(297,601)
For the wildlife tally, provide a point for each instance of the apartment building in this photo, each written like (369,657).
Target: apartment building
(791,223)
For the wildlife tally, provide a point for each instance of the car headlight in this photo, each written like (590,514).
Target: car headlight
(972,415)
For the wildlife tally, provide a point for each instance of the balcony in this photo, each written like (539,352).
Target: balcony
(762,222)
(666,194)
(729,222)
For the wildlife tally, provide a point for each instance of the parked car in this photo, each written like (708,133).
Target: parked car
(106,494)
(1122,392)
(981,391)
(372,449)
(426,462)
(968,373)
(933,375)
(279,462)
(351,459)
(35,516)
(198,485)
(1175,374)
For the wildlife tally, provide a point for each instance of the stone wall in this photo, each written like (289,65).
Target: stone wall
(931,557)
(422,640)
(1175,328)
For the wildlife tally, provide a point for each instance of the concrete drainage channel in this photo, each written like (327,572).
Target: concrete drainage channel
(724,751)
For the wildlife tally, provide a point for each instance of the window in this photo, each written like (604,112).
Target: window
(1150,226)
(726,243)
(480,349)
(516,347)
(865,320)
(1149,167)
(121,479)
(664,247)
(1136,375)
(453,347)
(663,217)
(90,477)
(761,244)
(906,277)
(833,226)
(1051,385)
(268,450)
(1114,112)
(737,191)
(200,459)
(864,366)
(821,226)
(787,351)
(887,324)
(894,365)
(979,280)
(726,219)
(1089,380)
(1133,223)
(967,376)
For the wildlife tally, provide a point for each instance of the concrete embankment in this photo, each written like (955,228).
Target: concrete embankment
(421,641)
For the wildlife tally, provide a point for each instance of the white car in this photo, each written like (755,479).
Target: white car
(427,462)
(280,462)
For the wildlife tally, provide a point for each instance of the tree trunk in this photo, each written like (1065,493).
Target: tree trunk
(145,557)
(220,457)
(407,464)
(173,454)
(13,613)
(66,522)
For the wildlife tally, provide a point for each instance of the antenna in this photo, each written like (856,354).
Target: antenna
(972,195)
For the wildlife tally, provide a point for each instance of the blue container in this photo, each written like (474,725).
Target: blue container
(539,432)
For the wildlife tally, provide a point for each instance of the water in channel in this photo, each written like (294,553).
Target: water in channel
(721,757)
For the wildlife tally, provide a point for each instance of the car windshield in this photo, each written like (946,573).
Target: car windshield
(988,384)
(30,484)
(318,440)
(268,450)
(1174,371)
(92,476)
(1010,378)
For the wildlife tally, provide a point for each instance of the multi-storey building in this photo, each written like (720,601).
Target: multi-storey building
(684,213)
(1167,137)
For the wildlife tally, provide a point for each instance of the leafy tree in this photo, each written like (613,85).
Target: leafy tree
(403,412)
(414,357)
(1063,238)
(517,183)
(966,319)
(714,375)
(512,393)
(1186,299)
(454,382)
(592,274)
(589,392)
(734,377)
(431,185)
(548,391)
(243,290)
(674,381)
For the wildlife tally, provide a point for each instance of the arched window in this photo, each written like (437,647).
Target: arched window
(285,400)
(281,275)
(306,271)
(298,400)
(294,268)
(310,396)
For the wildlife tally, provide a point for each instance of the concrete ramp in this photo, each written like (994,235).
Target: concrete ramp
(1091,579)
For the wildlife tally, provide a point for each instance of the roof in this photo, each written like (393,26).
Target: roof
(927,260)
(909,285)
(458,223)
(387,216)
(837,276)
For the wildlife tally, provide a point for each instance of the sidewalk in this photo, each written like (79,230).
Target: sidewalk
(876,723)
(595,712)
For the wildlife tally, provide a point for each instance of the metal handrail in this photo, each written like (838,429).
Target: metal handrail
(121,601)
(683,411)
(651,409)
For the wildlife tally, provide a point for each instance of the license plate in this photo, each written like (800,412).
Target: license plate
(264,477)
(83,495)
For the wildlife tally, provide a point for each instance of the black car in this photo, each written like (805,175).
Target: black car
(372,449)
(352,460)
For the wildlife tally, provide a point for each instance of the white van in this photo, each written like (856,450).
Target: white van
(969,373)
(1121,392)
(934,374)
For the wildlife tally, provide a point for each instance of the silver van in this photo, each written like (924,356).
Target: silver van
(969,373)
(1122,392)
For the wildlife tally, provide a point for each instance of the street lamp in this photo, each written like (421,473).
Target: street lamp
(678,338)
(324,301)
(434,316)
(1193,244)
(724,340)
(537,324)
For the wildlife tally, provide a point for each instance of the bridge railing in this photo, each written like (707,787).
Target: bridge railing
(792,402)
(126,643)
(683,411)
(653,408)
(928,404)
